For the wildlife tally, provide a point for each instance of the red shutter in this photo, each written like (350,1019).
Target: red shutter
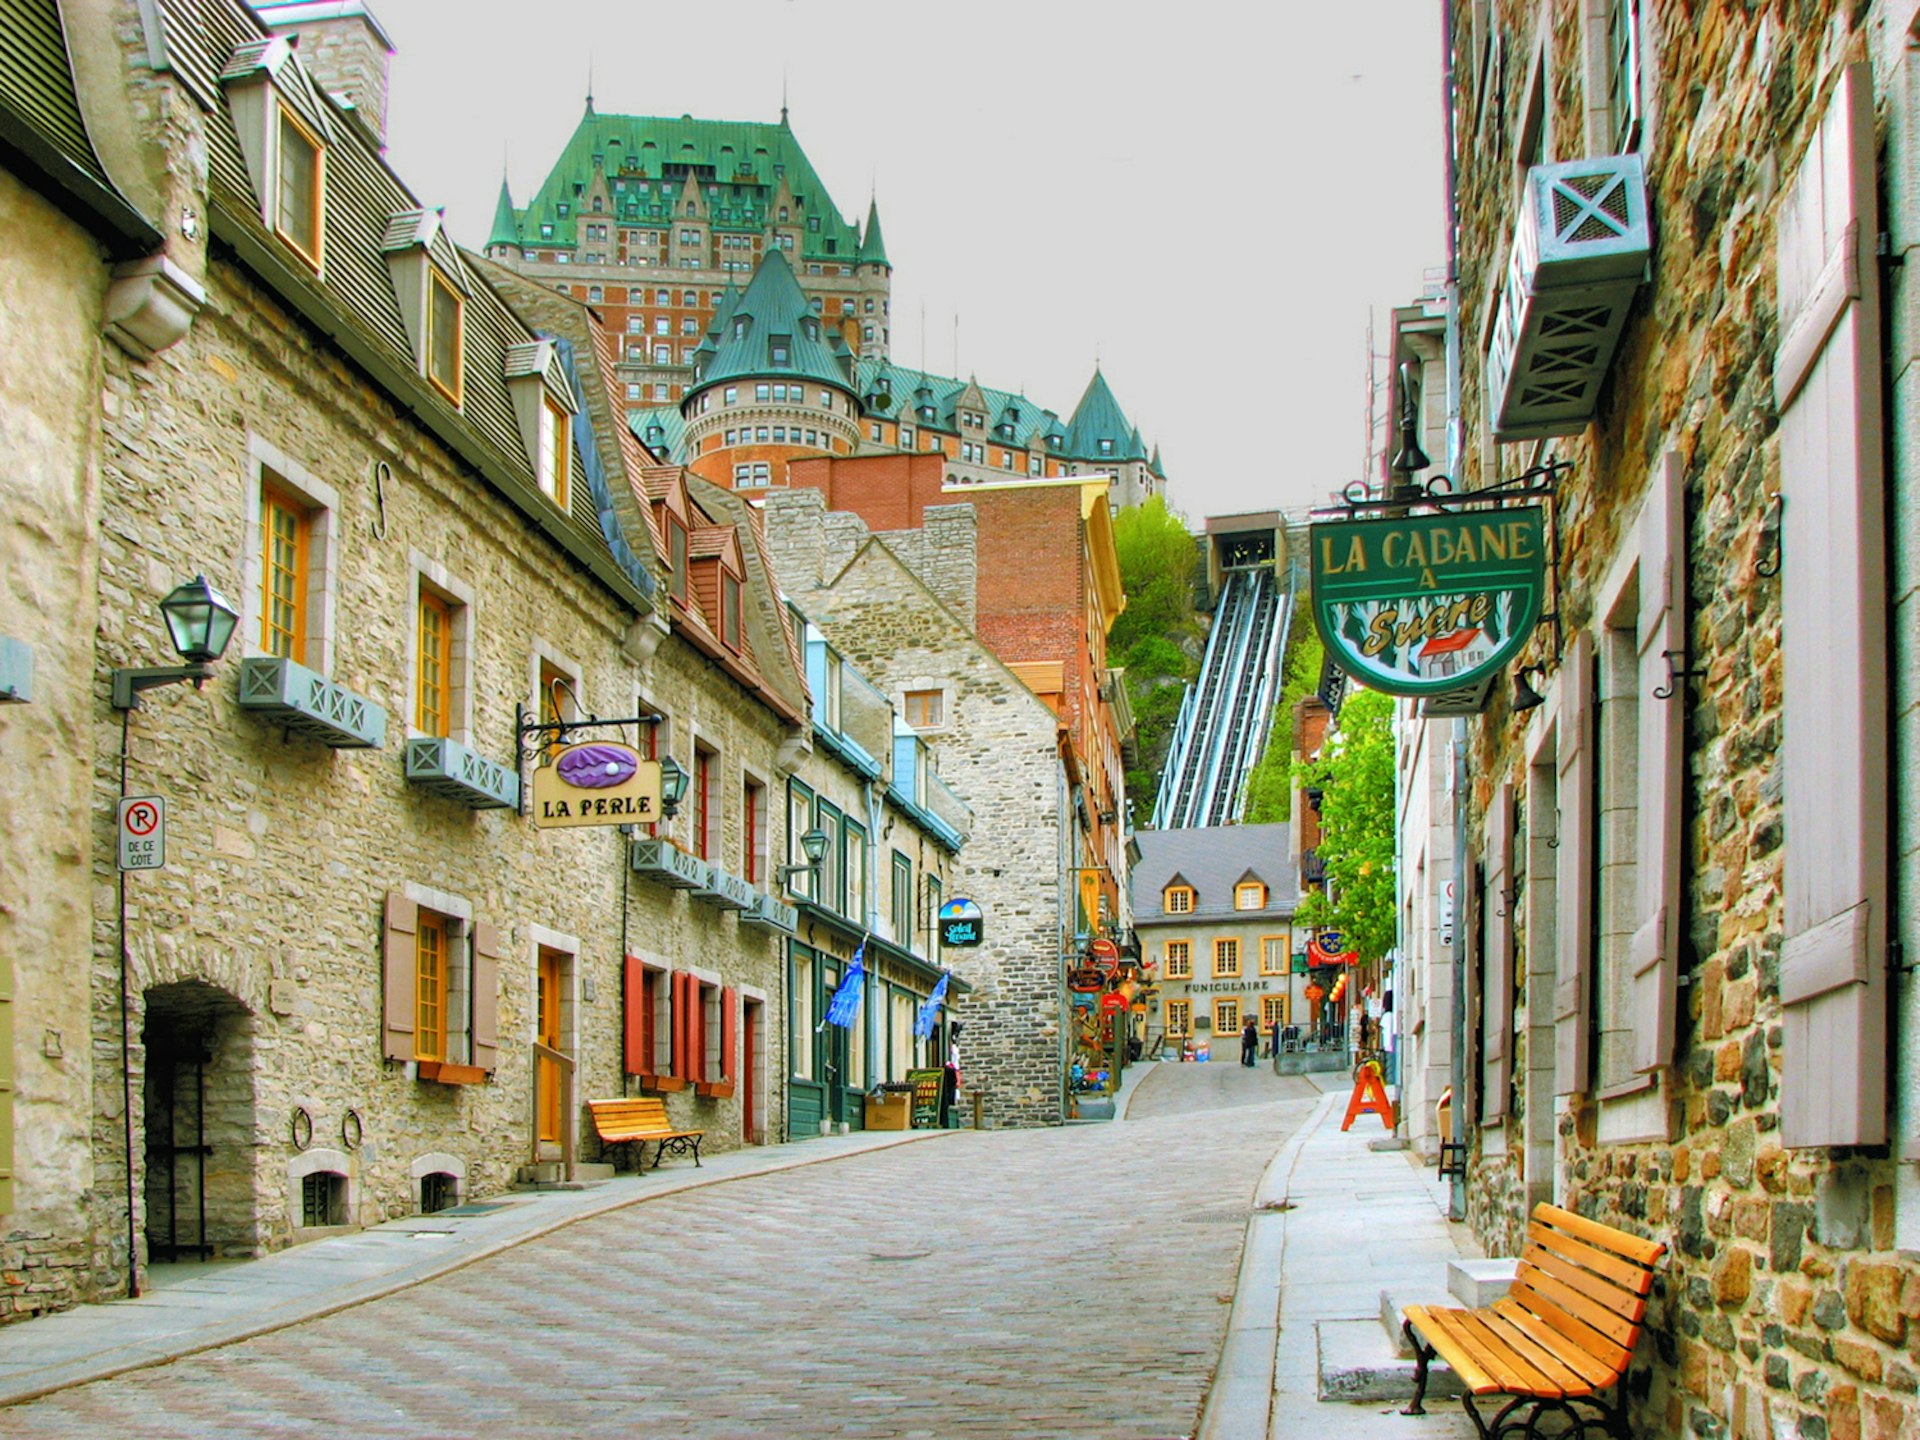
(1497,1001)
(1833,590)
(679,1013)
(1654,952)
(399,976)
(1573,898)
(486,995)
(728,1032)
(638,1056)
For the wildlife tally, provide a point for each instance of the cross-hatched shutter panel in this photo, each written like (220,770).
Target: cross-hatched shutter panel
(399,976)
(728,1031)
(634,1006)
(1833,589)
(1574,883)
(1653,955)
(486,995)
(1497,1002)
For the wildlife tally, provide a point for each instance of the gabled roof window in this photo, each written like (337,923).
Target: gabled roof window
(544,404)
(281,123)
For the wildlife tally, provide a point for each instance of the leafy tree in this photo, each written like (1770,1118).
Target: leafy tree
(1355,778)
(1156,638)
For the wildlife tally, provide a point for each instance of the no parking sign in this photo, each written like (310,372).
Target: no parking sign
(143,832)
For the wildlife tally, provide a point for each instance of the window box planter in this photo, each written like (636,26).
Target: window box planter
(661,860)
(717,1089)
(667,1083)
(723,891)
(310,704)
(445,1072)
(1580,251)
(772,914)
(450,770)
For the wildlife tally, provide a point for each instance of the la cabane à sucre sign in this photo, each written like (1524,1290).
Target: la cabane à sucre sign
(602,783)
(1423,605)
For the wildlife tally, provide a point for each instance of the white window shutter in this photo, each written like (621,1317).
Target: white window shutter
(399,976)
(1827,385)
(1654,954)
(1574,884)
(1497,1001)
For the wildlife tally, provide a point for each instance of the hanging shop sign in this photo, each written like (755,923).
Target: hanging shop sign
(961,923)
(599,783)
(1432,604)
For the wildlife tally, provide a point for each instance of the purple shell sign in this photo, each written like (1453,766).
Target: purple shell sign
(599,783)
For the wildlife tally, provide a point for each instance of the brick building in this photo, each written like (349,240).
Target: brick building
(1686,881)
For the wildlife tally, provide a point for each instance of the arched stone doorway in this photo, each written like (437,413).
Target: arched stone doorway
(199,1119)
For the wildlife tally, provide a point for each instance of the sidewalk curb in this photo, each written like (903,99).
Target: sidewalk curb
(1239,1402)
(139,1355)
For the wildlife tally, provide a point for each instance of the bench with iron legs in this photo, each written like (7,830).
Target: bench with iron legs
(1560,1339)
(637,1119)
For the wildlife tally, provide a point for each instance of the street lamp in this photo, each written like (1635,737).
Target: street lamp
(813,845)
(200,622)
(673,786)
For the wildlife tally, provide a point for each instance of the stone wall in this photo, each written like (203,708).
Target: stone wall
(998,752)
(51,289)
(1785,1307)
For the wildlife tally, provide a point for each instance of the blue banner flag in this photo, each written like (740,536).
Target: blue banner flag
(846,1000)
(930,1008)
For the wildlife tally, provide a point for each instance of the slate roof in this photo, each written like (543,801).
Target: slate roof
(646,159)
(1213,860)
(902,386)
(746,326)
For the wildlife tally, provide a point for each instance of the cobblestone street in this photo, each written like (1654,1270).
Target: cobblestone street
(1069,1283)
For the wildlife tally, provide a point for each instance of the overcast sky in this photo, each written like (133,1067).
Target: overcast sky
(1209,198)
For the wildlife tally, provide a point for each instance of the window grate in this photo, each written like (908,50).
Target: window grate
(438,1191)
(323,1199)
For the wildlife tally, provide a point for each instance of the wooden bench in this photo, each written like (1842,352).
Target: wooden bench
(638,1119)
(1563,1334)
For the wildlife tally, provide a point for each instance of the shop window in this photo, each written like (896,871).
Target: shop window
(801,1008)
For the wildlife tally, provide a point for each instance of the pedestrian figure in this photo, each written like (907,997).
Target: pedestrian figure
(1273,1042)
(950,1080)
(1249,1042)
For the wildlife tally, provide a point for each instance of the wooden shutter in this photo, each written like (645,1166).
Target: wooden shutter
(728,1031)
(679,1023)
(1466,1106)
(399,976)
(637,1059)
(1653,955)
(1573,900)
(1833,589)
(486,995)
(1497,999)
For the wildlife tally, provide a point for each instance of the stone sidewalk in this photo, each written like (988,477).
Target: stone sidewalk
(1335,1223)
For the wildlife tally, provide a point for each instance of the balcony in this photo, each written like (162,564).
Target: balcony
(663,861)
(311,704)
(1579,253)
(772,914)
(721,890)
(453,772)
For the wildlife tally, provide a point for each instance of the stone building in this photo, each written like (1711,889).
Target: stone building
(898,605)
(364,984)
(1214,906)
(1672,257)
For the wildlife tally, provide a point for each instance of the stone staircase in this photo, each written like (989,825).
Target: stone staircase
(1370,1361)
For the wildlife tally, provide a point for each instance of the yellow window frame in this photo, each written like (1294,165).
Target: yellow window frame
(1228,1015)
(556,459)
(1271,1005)
(1179,1017)
(441,293)
(433,676)
(1285,952)
(1252,888)
(1177,900)
(317,191)
(1179,960)
(285,538)
(430,988)
(1226,958)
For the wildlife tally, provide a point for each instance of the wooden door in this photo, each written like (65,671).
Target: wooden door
(749,1038)
(547,1024)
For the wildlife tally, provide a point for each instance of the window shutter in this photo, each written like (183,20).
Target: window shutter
(1654,952)
(634,1027)
(1497,1002)
(1827,385)
(1574,883)
(486,995)
(679,1021)
(1467,1105)
(399,976)
(728,1032)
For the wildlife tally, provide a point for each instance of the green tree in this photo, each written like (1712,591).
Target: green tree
(1355,778)
(1156,638)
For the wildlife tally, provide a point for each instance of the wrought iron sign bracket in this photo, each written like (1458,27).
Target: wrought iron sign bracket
(1771,539)
(531,737)
(1675,674)
(1538,482)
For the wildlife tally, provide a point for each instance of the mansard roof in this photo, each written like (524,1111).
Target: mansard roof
(770,330)
(1212,861)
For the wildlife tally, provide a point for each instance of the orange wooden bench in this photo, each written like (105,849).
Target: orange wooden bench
(1563,1334)
(636,1120)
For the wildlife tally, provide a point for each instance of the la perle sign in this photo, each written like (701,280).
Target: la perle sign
(599,783)
(1418,605)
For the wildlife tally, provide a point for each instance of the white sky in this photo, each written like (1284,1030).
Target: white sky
(1209,198)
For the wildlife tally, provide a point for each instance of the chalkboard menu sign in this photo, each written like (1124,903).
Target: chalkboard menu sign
(926,1098)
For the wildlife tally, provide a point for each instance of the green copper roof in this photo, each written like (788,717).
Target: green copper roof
(1099,417)
(1012,418)
(771,330)
(644,161)
(506,230)
(661,428)
(873,245)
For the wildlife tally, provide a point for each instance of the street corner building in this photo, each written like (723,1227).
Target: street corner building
(1681,304)
(364,982)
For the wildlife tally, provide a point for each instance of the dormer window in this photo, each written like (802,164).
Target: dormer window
(556,453)
(780,350)
(1106,447)
(730,611)
(677,559)
(1178,899)
(1249,895)
(446,336)
(300,205)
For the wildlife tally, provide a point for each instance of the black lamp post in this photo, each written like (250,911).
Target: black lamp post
(200,622)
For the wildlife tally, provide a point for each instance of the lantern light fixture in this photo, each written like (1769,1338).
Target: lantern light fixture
(200,622)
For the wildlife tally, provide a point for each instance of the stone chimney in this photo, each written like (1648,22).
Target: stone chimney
(344,48)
